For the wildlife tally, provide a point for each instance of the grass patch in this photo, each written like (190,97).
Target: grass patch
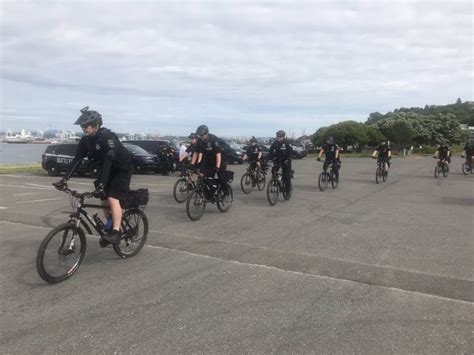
(21,168)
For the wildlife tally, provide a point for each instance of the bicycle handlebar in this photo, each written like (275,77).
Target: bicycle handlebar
(62,186)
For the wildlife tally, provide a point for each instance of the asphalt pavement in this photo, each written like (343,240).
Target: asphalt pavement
(364,268)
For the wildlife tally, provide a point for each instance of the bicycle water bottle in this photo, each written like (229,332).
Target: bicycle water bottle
(98,222)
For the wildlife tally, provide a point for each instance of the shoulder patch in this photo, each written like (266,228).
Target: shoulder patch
(110,143)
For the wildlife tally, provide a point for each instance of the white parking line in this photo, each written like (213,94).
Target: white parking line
(27,187)
(25,194)
(35,201)
(3,208)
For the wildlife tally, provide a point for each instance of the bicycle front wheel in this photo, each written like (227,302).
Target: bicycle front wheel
(134,233)
(224,201)
(377,176)
(334,182)
(465,169)
(61,253)
(272,192)
(436,171)
(246,183)
(323,181)
(384,175)
(181,190)
(260,181)
(195,205)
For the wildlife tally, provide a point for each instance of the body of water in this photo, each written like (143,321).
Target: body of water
(21,153)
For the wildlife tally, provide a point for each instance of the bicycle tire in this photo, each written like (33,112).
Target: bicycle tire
(465,169)
(179,194)
(261,181)
(334,182)
(323,181)
(41,265)
(384,175)
(225,206)
(286,194)
(436,172)
(272,192)
(195,205)
(246,183)
(131,242)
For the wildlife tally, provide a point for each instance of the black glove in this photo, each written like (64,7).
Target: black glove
(374,157)
(99,189)
(318,159)
(61,184)
(462,156)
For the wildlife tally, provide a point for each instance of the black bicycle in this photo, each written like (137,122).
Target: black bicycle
(253,177)
(208,190)
(183,187)
(381,174)
(467,166)
(277,185)
(441,168)
(62,250)
(326,177)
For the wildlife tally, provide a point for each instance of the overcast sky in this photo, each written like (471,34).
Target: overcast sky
(242,68)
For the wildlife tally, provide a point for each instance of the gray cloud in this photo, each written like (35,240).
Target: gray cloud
(246,67)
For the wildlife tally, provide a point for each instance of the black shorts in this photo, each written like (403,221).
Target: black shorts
(119,184)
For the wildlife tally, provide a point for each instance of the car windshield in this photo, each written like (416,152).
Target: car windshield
(233,145)
(135,149)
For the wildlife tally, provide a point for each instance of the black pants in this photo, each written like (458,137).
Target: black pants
(286,174)
(209,172)
(335,166)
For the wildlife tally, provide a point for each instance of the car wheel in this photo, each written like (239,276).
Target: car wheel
(52,169)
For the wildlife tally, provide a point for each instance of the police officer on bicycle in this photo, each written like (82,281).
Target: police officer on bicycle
(253,154)
(209,157)
(281,153)
(443,153)
(114,182)
(383,153)
(331,150)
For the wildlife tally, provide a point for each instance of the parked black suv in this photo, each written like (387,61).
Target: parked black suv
(142,161)
(232,151)
(57,159)
(155,146)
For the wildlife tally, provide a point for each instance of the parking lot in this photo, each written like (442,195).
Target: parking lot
(363,268)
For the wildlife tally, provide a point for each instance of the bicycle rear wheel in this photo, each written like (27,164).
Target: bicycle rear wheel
(465,169)
(224,201)
(323,181)
(260,181)
(195,205)
(445,171)
(181,190)
(286,192)
(134,233)
(61,253)
(246,183)
(272,192)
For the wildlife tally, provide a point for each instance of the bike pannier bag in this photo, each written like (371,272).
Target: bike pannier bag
(135,198)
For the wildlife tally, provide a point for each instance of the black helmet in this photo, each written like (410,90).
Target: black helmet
(193,136)
(253,140)
(281,133)
(202,130)
(89,118)
(330,140)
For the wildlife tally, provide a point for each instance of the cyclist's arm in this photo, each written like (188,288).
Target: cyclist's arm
(80,154)
(259,156)
(436,154)
(321,152)
(218,160)
(336,154)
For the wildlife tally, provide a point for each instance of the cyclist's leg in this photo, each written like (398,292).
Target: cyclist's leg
(286,172)
(335,168)
(221,176)
(116,190)
(326,164)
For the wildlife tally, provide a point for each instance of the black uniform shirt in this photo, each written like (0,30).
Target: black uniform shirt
(383,151)
(280,152)
(330,150)
(209,150)
(252,153)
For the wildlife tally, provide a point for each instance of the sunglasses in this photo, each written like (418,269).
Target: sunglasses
(84,126)
(280,136)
